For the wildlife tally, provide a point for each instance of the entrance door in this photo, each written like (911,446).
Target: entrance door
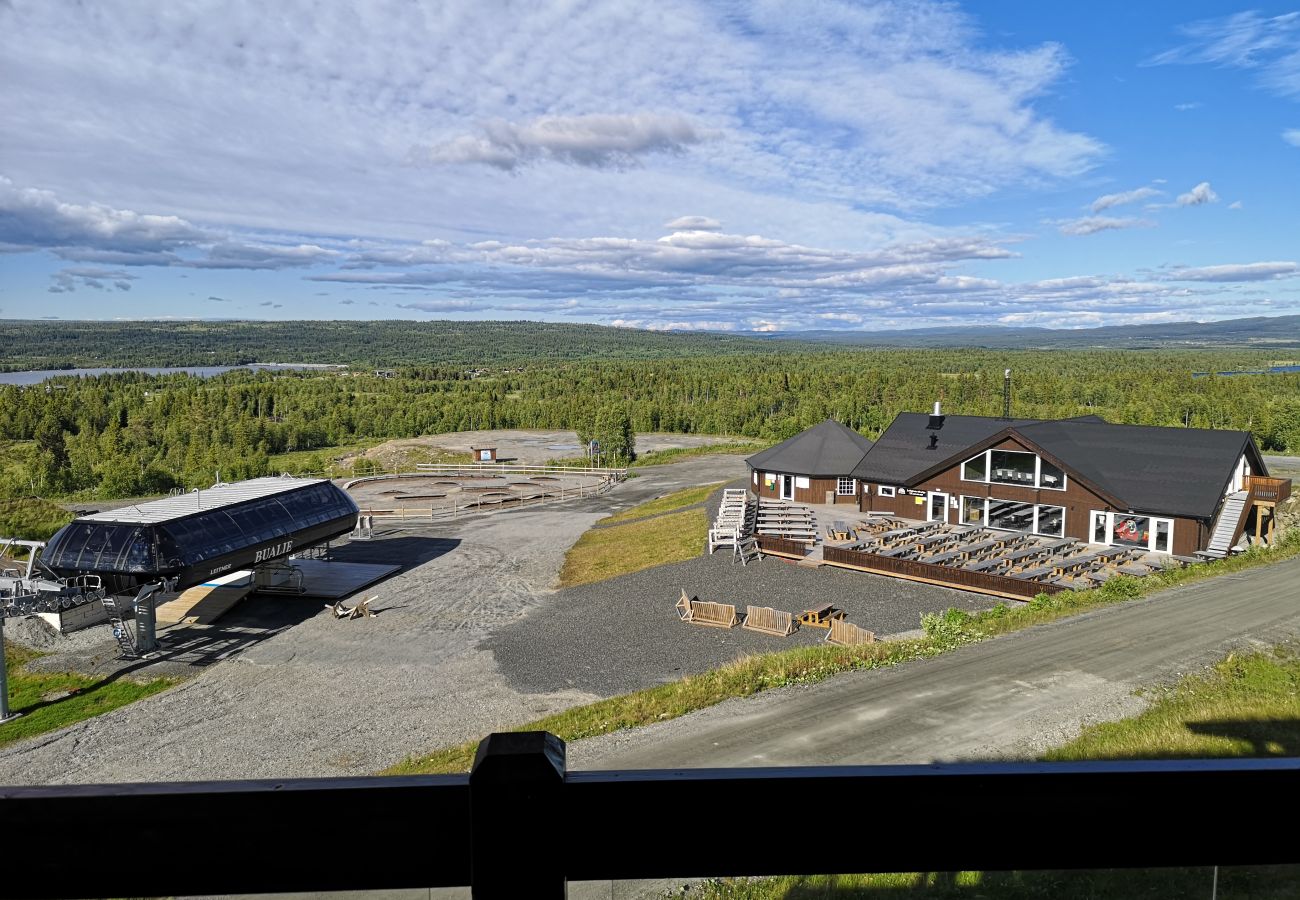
(938,507)
(787,487)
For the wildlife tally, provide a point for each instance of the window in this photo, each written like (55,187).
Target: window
(1051,521)
(1018,467)
(885,491)
(801,481)
(1164,530)
(972,510)
(1133,530)
(1011,515)
(1099,528)
(846,487)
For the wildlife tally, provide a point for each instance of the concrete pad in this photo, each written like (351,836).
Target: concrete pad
(334,580)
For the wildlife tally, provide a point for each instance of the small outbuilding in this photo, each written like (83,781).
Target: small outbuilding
(484,454)
(814,466)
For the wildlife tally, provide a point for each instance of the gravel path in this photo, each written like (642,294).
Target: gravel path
(323,697)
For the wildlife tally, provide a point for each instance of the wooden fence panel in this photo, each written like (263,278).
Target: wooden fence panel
(979,582)
(768,620)
(775,546)
(719,615)
(848,635)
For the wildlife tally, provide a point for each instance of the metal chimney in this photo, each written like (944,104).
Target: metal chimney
(936,419)
(1006,394)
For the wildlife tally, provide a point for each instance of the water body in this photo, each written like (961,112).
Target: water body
(36,377)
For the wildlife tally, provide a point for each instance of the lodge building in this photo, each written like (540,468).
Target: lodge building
(1167,490)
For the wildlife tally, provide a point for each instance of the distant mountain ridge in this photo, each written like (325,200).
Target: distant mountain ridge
(1258,333)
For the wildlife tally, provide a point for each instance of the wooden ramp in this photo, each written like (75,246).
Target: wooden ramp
(207,602)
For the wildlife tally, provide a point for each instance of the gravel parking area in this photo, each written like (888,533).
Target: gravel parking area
(623,634)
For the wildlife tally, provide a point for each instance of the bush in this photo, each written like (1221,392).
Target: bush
(1121,588)
(949,628)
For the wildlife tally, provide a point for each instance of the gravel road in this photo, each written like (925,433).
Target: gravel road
(320,697)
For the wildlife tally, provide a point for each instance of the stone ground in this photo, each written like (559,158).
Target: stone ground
(471,637)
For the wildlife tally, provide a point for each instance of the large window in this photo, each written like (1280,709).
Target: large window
(1133,530)
(1016,467)
(884,491)
(1013,515)
(846,487)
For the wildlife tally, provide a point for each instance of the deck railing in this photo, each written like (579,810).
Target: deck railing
(982,582)
(1268,490)
(777,546)
(521,825)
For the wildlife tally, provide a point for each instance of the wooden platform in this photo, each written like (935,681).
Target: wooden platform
(336,580)
(207,602)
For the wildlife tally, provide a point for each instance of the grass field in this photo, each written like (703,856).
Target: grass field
(677,454)
(1247,706)
(604,553)
(675,500)
(49,702)
(31,518)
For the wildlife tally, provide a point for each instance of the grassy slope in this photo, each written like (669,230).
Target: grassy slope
(604,553)
(676,454)
(49,702)
(1247,706)
(31,518)
(675,500)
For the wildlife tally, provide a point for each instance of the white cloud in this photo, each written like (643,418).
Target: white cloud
(1235,204)
(1260,271)
(67,280)
(1292,136)
(1187,107)
(1093,224)
(593,140)
(1198,196)
(1108,200)
(693,223)
(1269,46)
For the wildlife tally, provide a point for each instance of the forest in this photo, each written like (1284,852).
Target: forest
(132,434)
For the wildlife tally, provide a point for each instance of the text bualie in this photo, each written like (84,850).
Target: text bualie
(276,550)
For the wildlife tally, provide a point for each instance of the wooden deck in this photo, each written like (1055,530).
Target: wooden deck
(203,604)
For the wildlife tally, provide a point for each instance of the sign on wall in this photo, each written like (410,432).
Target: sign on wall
(800,481)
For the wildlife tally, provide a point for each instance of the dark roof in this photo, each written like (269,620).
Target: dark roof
(1174,471)
(903,450)
(826,450)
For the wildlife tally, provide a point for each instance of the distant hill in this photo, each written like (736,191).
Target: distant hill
(1258,333)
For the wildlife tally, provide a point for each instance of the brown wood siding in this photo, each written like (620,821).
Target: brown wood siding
(814,493)
(1078,500)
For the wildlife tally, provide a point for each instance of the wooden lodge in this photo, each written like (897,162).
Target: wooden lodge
(1183,491)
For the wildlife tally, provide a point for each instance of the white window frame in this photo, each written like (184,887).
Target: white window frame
(839,487)
(1110,529)
(886,491)
(984,512)
(988,472)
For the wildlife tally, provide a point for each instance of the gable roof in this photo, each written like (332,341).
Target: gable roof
(826,450)
(903,449)
(1172,471)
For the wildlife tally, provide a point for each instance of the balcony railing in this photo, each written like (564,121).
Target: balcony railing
(520,825)
(1268,490)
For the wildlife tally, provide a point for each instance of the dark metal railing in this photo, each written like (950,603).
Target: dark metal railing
(520,825)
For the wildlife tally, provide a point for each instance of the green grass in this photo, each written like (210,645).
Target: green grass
(604,553)
(1247,706)
(676,500)
(31,518)
(1239,883)
(52,701)
(806,665)
(677,454)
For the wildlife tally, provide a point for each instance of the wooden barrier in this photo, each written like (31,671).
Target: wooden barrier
(719,615)
(963,579)
(846,634)
(775,546)
(683,606)
(768,620)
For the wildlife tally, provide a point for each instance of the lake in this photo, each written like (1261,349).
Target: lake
(36,377)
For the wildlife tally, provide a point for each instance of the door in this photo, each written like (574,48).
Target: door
(938,507)
(787,487)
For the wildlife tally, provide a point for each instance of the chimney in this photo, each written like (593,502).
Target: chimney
(936,419)
(1006,394)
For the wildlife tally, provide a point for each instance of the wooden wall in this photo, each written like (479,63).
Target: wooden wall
(1189,534)
(814,493)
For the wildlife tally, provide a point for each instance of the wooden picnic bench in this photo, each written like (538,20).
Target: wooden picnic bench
(820,616)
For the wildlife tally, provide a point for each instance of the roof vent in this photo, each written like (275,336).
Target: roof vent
(934,441)
(936,419)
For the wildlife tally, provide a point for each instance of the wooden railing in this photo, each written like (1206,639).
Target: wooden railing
(775,546)
(522,825)
(1268,490)
(981,582)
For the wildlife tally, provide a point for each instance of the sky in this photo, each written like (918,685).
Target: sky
(746,167)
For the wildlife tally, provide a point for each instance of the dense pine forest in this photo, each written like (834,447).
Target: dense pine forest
(131,434)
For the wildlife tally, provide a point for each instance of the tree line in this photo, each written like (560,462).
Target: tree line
(132,434)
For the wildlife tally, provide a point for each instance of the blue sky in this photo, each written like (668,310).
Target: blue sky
(746,167)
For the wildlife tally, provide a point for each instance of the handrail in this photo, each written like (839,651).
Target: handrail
(463,830)
(1271,490)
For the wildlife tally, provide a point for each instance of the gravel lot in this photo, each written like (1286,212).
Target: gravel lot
(310,696)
